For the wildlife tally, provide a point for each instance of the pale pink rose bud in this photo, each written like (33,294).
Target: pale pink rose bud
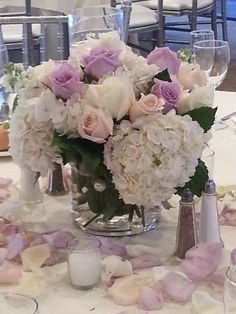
(147,105)
(95,125)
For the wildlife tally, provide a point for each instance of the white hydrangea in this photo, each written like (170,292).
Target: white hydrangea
(149,161)
(31,141)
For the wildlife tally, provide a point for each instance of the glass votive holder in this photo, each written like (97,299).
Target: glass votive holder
(90,22)
(208,157)
(14,303)
(230,291)
(84,262)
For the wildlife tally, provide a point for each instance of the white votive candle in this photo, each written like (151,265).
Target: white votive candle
(84,262)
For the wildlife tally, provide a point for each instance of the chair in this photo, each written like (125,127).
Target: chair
(190,8)
(27,47)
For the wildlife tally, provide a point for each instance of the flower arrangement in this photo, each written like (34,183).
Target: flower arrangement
(138,125)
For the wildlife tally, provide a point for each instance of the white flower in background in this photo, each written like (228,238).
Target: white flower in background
(113,95)
(31,141)
(149,162)
(42,72)
(199,97)
(137,70)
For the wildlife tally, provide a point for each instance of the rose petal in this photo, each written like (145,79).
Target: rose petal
(145,261)
(233,256)
(177,287)
(10,272)
(35,257)
(126,290)
(58,239)
(5,183)
(108,247)
(150,299)
(113,266)
(138,249)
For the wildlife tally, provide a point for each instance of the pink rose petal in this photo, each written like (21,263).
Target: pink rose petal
(201,261)
(4,194)
(108,247)
(150,299)
(10,272)
(145,261)
(5,183)
(233,256)
(58,239)
(229,216)
(177,287)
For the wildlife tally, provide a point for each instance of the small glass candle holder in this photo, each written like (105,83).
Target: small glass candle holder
(230,291)
(84,262)
(14,303)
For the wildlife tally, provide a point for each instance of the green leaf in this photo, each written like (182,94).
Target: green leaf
(198,180)
(205,116)
(167,205)
(164,76)
(15,103)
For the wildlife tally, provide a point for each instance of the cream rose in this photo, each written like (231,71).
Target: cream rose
(114,95)
(199,97)
(147,104)
(94,124)
(190,75)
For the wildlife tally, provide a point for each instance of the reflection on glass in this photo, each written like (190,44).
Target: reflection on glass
(230,291)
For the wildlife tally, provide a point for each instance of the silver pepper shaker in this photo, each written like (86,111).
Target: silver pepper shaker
(186,236)
(209,230)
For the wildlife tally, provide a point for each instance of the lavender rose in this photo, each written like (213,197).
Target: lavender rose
(65,81)
(169,91)
(101,61)
(164,58)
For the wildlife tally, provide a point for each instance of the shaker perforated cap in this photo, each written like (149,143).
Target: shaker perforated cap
(210,187)
(187,196)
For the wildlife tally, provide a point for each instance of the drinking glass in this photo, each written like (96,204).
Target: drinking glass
(230,291)
(213,57)
(4,108)
(85,23)
(208,157)
(201,34)
(14,303)
(84,262)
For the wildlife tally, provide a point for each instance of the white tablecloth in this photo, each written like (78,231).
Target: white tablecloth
(51,286)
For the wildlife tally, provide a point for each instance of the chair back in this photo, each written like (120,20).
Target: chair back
(27,40)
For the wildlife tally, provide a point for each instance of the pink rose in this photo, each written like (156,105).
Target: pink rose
(95,125)
(101,61)
(65,81)
(169,91)
(164,58)
(190,75)
(147,104)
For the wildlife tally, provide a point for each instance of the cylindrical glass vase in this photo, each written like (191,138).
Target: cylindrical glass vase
(90,22)
(124,220)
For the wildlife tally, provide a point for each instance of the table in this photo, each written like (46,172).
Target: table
(50,285)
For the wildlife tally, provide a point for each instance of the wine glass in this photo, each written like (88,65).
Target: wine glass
(4,108)
(213,57)
(201,34)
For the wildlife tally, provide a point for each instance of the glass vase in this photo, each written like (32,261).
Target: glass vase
(30,192)
(90,22)
(126,220)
